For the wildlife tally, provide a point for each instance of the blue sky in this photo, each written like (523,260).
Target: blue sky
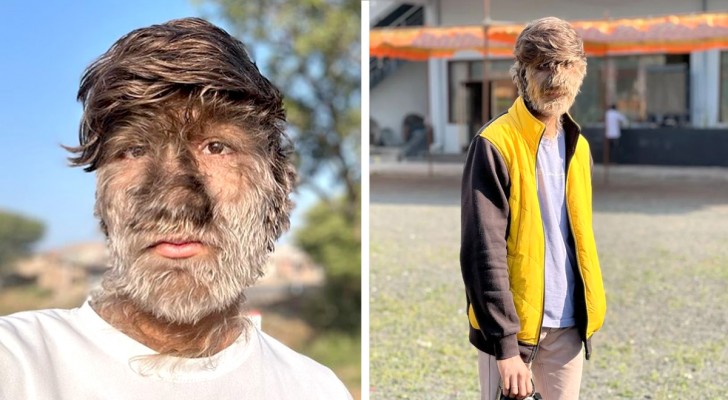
(44,48)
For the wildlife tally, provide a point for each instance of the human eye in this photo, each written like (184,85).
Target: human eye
(133,152)
(216,148)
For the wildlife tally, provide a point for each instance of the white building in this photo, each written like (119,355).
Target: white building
(448,92)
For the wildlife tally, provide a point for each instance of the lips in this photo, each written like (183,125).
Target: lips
(553,94)
(177,249)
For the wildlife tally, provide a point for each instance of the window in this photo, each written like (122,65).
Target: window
(647,89)
(465,90)
(652,89)
(458,74)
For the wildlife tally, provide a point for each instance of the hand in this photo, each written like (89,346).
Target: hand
(516,377)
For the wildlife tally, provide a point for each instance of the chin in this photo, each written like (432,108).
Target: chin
(182,291)
(554,107)
(188,308)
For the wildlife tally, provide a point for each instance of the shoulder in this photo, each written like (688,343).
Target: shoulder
(28,332)
(582,154)
(28,344)
(26,323)
(502,134)
(502,128)
(301,371)
(582,144)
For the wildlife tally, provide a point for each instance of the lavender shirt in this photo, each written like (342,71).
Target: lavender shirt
(559,298)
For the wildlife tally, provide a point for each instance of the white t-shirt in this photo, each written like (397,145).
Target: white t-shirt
(612,119)
(75,354)
(559,255)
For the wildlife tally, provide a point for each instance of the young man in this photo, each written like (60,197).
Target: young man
(193,181)
(613,120)
(528,257)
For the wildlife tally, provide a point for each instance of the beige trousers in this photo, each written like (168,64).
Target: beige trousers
(556,369)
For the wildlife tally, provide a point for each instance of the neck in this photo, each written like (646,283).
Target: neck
(552,122)
(204,338)
(553,125)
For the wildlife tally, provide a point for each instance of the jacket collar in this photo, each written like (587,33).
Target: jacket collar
(531,128)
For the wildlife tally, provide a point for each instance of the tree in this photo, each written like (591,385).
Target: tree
(311,50)
(18,234)
(331,240)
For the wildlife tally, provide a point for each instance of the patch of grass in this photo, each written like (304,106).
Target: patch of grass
(419,346)
(663,262)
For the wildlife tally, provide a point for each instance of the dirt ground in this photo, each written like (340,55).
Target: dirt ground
(662,235)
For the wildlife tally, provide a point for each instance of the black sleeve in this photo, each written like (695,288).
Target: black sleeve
(484,229)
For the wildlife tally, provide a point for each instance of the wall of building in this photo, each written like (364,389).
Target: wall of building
(378,8)
(470,12)
(664,146)
(401,93)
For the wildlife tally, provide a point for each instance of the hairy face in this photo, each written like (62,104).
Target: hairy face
(552,87)
(184,210)
(550,65)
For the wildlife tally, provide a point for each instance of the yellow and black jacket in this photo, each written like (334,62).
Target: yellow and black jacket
(502,244)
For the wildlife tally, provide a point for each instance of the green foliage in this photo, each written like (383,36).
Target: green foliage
(332,238)
(311,50)
(336,351)
(18,234)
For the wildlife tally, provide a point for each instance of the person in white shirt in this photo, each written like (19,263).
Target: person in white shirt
(193,176)
(613,119)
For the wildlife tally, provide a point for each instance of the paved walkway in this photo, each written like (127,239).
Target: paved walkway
(618,172)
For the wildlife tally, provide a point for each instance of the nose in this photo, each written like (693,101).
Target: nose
(550,80)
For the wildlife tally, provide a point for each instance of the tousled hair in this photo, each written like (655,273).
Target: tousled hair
(547,40)
(192,66)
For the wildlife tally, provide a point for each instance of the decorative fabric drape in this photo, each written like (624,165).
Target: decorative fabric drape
(667,35)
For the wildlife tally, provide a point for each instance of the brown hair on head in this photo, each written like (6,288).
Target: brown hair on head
(549,41)
(152,69)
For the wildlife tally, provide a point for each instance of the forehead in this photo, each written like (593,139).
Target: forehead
(557,58)
(166,124)
(551,49)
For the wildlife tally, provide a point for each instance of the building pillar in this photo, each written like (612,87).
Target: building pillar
(610,81)
(704,88)
(437,86)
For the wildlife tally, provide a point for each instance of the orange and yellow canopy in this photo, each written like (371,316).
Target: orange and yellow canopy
(669,34)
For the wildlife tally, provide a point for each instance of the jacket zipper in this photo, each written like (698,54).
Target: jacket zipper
(543,230)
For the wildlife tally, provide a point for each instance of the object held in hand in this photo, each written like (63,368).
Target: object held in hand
(533,396)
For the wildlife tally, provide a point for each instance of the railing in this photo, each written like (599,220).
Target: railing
(404,15)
